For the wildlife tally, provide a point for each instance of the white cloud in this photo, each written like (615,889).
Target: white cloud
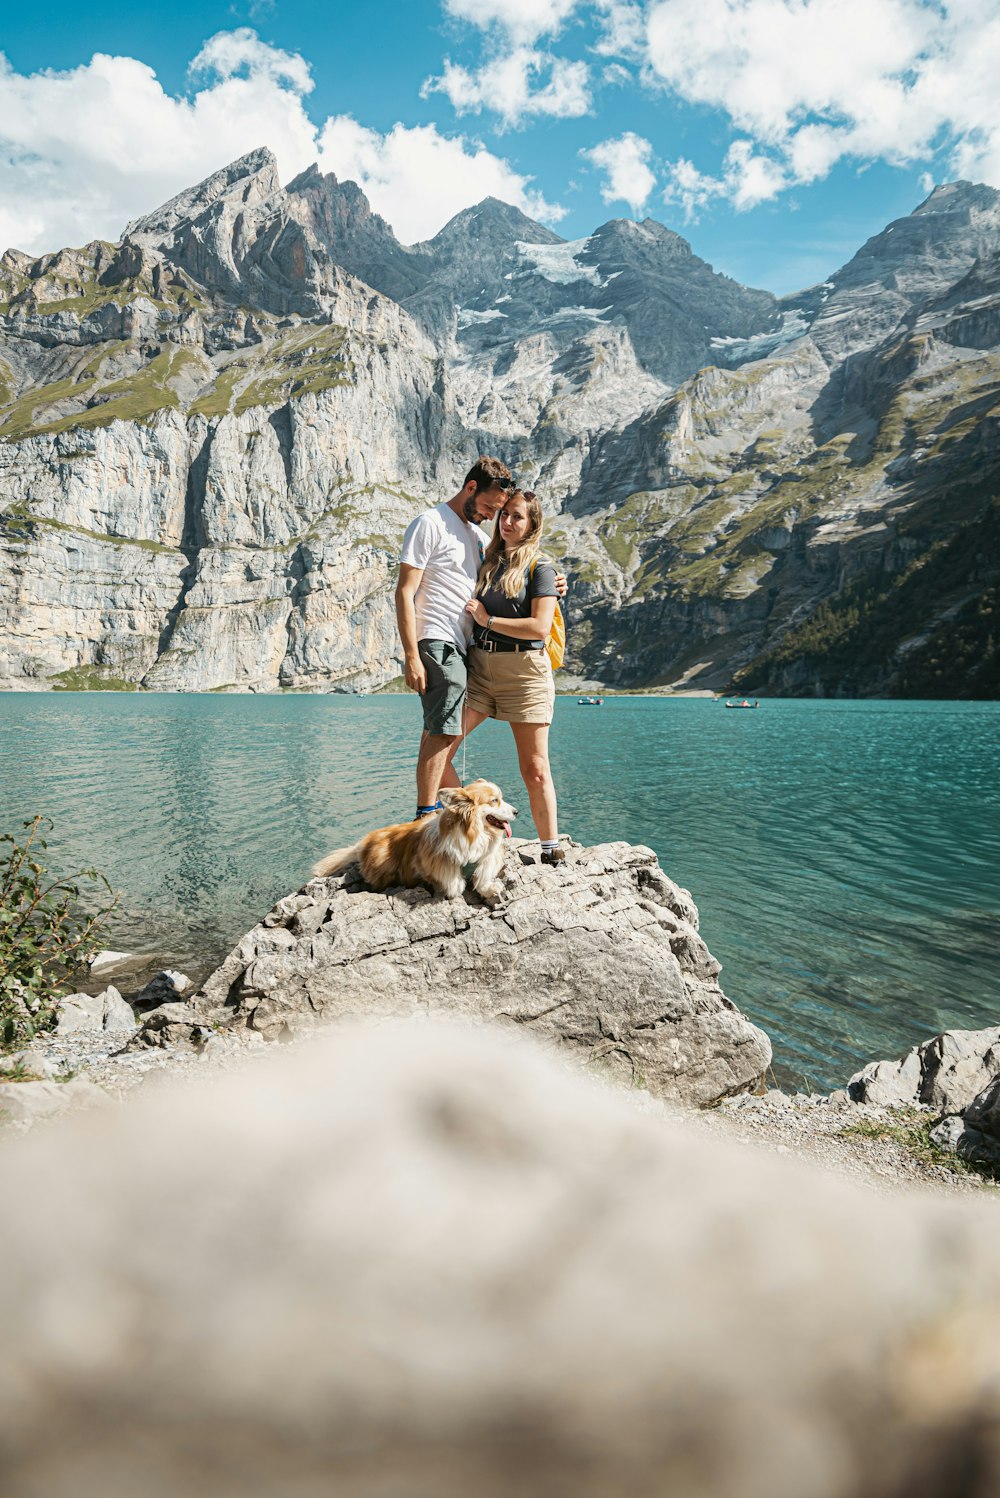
(623,24)
(810,82)
(231,52)
(813,150)
(418,179)
(84,151)
(769,63)
(957,88)
(629,176)
(523,20)
(748,178)
(690,189)
(504,85)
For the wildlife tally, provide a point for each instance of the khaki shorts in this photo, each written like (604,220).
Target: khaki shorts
(514,686)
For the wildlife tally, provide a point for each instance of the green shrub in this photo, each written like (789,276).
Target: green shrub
(46,933)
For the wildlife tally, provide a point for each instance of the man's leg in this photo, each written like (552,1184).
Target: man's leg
(444,710)
(430,775)
(434,766)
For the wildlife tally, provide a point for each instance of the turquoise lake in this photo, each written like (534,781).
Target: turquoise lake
(845,856)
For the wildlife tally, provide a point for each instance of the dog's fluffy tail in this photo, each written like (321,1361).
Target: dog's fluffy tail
(335,863)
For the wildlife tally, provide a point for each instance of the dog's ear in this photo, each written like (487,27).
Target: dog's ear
(458,800)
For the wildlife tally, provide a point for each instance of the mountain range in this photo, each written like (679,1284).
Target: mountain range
(214,431)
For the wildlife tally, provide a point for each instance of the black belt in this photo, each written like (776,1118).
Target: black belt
(482,641)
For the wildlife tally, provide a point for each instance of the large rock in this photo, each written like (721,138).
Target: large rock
(164,987)
(974,1134)
(434,1262)
(102,1011)
(601,956)
(945,1073)
(956,1073)
(106,962)
(983,1113)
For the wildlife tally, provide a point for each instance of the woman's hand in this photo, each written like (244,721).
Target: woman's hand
(475,608)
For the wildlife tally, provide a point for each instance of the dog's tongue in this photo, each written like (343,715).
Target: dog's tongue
(506,829)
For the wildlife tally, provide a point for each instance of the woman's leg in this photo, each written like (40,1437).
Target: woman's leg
(532,740)
(471,719)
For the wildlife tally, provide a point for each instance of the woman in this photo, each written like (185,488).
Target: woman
(510,677)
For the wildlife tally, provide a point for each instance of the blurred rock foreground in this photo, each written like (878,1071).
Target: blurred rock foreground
(429,1259)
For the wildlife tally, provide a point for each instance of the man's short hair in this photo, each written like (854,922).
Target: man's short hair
(486,472)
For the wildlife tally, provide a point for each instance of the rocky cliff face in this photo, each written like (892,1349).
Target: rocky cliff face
(213,433)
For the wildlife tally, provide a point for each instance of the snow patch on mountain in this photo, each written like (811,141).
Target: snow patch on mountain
(739,350)
(558,262)
(468,316)
(593,313)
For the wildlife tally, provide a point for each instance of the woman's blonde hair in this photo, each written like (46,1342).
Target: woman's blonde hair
(520,557)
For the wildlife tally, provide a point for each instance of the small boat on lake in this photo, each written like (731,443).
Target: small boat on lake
(590,702)
(744,704)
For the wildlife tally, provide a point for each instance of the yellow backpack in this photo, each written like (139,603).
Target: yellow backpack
(555,645)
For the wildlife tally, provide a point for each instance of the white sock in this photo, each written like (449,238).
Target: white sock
(548,843)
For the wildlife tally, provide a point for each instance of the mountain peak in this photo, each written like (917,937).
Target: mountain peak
(649,231)
(342,202)
(950,197)
(494,220)
(259,164)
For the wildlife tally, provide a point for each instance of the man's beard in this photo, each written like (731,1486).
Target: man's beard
(471,511)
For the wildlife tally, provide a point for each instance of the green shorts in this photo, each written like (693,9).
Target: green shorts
(444,700)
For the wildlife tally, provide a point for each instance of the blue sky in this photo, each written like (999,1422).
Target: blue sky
(776,135)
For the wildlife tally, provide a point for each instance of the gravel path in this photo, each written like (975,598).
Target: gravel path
(882,1148)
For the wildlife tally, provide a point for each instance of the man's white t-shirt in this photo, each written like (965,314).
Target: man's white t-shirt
(450,552)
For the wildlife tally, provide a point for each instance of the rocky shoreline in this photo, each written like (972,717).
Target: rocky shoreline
(602,960)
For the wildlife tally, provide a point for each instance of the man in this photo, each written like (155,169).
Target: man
(442,552)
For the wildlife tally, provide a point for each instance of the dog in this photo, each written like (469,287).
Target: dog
(469,829)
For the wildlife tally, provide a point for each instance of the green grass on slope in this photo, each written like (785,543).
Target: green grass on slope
(911,1130)
(304,360)
(90,679)
(963,650)
(137,397)
(850,642)
(83,293)
(18,518)
(18,420)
